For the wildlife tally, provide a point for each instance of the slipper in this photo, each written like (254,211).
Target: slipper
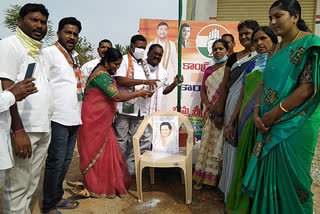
(80,190)
(74,183)
(64,204)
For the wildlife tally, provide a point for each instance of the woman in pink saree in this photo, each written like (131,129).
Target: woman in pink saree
(101,160)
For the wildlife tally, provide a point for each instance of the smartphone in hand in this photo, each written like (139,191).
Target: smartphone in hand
(30,70)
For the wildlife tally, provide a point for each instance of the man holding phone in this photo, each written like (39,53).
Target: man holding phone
(30,117)
(13,94)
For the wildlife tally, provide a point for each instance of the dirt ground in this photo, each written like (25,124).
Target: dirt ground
(165,196)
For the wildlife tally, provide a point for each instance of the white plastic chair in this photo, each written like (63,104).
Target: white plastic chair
(182,160)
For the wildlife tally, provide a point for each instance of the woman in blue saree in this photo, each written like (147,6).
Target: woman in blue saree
(287,117)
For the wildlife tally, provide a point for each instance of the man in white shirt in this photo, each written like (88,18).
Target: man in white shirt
(30,117)
(186,31)
(170,57)
(89,66)
(155,54)
(67,91)
(13,94)
(132,76)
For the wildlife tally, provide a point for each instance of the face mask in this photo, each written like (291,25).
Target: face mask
(262,61)
(220,60)
(152,68)
(138,53)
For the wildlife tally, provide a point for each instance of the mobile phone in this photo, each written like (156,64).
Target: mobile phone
(30,70)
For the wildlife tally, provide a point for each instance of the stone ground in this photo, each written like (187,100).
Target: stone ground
(166,196)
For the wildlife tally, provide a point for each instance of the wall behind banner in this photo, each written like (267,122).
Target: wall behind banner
(194,61)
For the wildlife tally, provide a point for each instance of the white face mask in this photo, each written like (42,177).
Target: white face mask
(138,53)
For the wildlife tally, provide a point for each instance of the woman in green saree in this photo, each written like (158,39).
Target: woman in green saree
(263,39)
(287,117)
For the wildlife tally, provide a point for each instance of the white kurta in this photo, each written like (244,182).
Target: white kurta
(6,100)
(88,67)
(156,99)
(140,104)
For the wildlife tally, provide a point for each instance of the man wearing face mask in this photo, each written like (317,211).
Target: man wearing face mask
(155,54)
(132,75)
(170,57)
(87,68)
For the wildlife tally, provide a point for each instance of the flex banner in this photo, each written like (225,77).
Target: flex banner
(197,40)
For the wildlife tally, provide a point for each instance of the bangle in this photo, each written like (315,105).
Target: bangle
(256,105)
(218,115)
(282,108)
(17,132)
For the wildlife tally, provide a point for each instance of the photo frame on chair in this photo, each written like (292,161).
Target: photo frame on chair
(165,134)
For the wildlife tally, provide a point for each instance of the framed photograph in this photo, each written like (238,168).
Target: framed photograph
(165,134)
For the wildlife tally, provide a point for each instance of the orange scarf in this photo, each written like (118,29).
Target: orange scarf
(76,69)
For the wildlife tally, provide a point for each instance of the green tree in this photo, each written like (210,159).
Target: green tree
(84,49)
(123,49)
(11,22)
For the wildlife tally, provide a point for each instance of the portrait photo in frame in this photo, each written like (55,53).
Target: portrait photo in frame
(165,134)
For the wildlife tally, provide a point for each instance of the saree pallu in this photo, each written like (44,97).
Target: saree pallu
(208,166)
(101,160)
(238,202)
(230,148)
(278,175)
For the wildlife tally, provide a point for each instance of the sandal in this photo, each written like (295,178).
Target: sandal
(80,190)
(56,212)
(65,203)
(74,183)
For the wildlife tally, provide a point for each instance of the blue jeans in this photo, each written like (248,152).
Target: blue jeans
(60,153)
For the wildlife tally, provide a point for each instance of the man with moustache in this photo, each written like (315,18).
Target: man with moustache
(170,57)
(87,68)
(67,90)
(156,71)
(132,76)
(30,122)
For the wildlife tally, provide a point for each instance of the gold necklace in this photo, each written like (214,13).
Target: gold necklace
(294,38)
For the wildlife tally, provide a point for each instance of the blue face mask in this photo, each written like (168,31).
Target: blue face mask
(220,60)
(152,68)
(261,61)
